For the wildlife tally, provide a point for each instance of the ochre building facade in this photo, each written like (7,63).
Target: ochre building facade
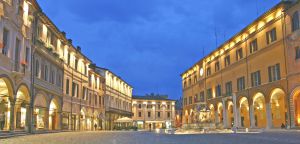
(252,80)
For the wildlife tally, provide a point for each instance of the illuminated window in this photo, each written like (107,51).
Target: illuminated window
(271,36)
(295,21)
(239,54)
(255,79)
(217,66)
(274,72)
(227,60)
(253,46)
(208,71)
(228,86)
(241,83)
(218,90)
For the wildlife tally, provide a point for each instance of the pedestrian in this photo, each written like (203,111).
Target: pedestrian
(2,120)
(95,126)
(282,126)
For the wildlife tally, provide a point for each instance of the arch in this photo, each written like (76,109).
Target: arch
(6,96)
(230,114)
(295,102)
(54,118)
(244,114)
(22,93)
(278,109)
(259,106)
(6,87)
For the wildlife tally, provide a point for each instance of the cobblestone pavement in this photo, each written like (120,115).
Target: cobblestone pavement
(152,138)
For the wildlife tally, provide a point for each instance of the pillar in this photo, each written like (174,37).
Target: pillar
(216,117)
(59,119)
(252,119)
(238,117)
(28,118)
(225,121)
(236,110)
(12,116)
(46,119)
(269,116)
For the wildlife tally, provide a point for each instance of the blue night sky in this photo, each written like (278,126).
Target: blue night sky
(149,43)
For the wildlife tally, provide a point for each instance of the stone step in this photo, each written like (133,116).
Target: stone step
(6,134)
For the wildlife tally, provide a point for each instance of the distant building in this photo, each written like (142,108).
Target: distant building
(178,113)
(153,111)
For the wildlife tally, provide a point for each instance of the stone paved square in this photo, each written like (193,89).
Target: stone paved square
(153,138)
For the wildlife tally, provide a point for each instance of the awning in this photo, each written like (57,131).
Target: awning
(124,120)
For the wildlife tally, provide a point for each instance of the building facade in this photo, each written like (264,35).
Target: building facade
(117,97)
(252,80)
(153,112)
(45,82)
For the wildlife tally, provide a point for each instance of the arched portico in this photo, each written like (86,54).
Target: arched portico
(40,111)
(259,105)
(295,101)
(220,117)
(278,109)
(54,117)
(212,113)
(230,114)
(244,113)
(6,96)
(21,109)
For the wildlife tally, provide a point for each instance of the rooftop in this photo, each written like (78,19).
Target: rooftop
(152,97)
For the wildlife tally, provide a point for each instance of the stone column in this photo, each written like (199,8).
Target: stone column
(235,111)
(28,118)
(12,116)
(46,119)
(216,117)
(225,121)
(252,120)
(59,120)
(269,115)
(238,117)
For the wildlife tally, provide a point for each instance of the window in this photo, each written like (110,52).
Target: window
(140,114)
(190,100)
(96,99)
(169,114)
(274,73)
(227,60)
(46,73)
(297,52)
(69,58)
(255,79)
(37,68)
(218,91)
(253,46)
(295,21)
(5,45)
(185,101)
(239,54)
(208,71)
(27,55)
(90,81)
(67,86)
(84,93)
(17,54)
(202,98)
(76,64)
(228,86)
(140,106)
(217,66)
(271,36)
(158,114)
(149,106)
(168,106)
(59,78)
(241,83)
(52,80)
(149,114)
(195,79)
(158,106)
(85,69)
(75,90)
(190,81)
(196,98)
(184,84)
(209,93)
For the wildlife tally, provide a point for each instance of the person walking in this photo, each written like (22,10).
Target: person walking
(95,126)
(2,120)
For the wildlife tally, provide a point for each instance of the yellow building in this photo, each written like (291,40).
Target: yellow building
(117,97)
(252,80)
(153,112)
(45,82)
